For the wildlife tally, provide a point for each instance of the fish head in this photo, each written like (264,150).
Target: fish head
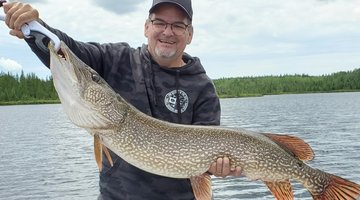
(87,99)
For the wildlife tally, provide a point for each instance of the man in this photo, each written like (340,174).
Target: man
(159,79)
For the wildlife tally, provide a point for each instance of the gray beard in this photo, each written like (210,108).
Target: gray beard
(163,54)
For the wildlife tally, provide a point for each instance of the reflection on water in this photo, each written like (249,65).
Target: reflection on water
(44,156)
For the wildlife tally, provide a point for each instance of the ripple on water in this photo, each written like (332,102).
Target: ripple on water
(44,156)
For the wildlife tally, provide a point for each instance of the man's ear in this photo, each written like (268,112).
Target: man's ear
(146,28)
(191,33)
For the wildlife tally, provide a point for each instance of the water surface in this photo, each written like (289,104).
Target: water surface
(44,156)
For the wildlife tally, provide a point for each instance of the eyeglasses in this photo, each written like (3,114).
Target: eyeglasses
(178,28)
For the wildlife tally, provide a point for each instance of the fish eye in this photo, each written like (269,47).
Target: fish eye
(96,78)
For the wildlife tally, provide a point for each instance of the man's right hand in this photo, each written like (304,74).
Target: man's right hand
(17,14)
(222,168)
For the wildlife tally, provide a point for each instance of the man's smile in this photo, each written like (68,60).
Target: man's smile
(167,41)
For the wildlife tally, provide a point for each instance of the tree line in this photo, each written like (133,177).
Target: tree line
(15,89)
(21,89)
(285,84)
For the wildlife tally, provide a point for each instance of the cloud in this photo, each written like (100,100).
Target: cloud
(33,1)
(119,7)
(281,26)
(235,38)
(9,65)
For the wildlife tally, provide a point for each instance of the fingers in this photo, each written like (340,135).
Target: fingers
(215,168)
(16,33)
(212,168)
(236,172)
(17,14)
(219,167)
(222,168)
(225,167)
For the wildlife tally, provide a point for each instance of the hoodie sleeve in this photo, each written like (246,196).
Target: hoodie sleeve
(90,53)
(207,109)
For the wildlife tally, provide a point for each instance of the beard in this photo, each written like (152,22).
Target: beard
(165,53)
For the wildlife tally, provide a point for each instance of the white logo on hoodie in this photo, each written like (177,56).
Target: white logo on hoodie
(170,101)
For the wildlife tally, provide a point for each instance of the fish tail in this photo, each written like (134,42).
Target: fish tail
(339,189)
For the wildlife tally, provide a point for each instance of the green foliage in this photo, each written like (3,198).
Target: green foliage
(25,89)
(285,84)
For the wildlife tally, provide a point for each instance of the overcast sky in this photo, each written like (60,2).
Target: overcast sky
(233,38)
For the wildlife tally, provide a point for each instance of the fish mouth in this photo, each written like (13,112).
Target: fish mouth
(70,81)
(61,64)
(65,78)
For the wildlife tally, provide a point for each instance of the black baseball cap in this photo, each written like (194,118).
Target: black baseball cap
(183,4)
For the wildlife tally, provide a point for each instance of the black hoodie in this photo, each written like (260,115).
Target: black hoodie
(183,95)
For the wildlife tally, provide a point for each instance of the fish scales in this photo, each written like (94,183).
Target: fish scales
(155,148)
(185,151)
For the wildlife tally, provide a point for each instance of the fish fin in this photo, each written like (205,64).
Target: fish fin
(107,154)
(201,186)
(98,152)
(339,189)
(295,145)
(281,190)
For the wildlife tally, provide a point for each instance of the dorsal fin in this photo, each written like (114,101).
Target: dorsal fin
(295,145)
(201,186)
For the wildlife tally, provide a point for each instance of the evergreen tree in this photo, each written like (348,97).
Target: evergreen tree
(30,88)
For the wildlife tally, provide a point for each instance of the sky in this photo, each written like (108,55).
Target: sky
(232,38)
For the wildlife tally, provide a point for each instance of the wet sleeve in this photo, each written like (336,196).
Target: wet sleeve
(207,109)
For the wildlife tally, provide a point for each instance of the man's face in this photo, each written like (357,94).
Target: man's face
(167,46)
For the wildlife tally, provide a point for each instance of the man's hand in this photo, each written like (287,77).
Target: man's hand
(17,14)
(222,168)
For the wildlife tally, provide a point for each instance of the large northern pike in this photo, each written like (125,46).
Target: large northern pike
(185,151)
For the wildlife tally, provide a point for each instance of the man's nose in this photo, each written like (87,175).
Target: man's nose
(168,30)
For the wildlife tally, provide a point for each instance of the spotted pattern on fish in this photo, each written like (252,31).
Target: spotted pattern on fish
(184,151)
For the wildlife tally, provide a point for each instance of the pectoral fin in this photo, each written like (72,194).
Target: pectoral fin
(201,186)
(281,190)
(107,154)
(98,151)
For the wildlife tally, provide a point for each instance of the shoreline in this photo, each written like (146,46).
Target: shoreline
(29,102)
(57,101)
(284,93)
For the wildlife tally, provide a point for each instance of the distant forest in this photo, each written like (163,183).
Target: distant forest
(288,84)
(26,89)
(29,89)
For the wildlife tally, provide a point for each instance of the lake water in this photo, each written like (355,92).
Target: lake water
(44,156)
